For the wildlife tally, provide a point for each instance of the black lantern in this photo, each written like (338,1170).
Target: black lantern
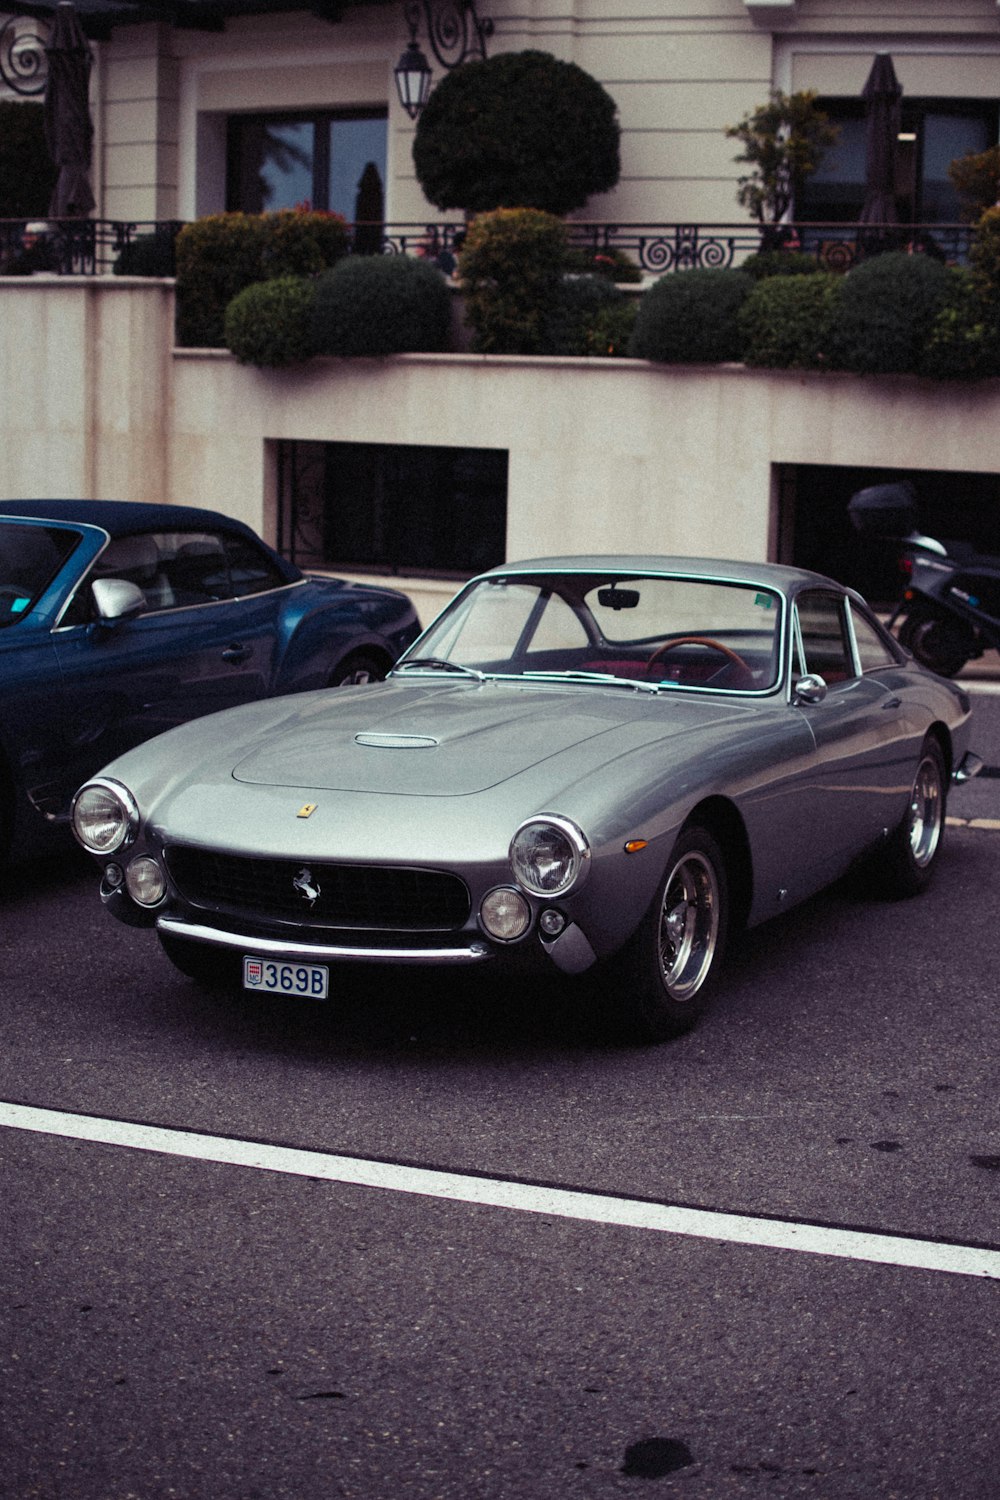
(413,79)
(456,35)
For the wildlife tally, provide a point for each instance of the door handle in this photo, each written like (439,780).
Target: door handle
(236,654)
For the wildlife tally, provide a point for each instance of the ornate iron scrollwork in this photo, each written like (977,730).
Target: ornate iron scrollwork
(24,66)
(455,32)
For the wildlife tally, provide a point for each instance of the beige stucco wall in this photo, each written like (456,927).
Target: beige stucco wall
(604,455)
(679,70)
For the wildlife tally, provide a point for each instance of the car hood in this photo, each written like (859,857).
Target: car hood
(451,740)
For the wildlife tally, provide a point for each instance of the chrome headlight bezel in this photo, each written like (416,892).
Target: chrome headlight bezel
(549,855)
(122,814)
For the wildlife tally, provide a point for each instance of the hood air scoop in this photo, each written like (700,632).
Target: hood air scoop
(395,741)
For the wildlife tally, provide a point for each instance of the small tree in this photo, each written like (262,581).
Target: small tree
(784,142)
(976,178)
(520,130)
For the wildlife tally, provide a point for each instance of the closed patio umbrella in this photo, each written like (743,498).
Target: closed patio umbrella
(881,93)
(69,132)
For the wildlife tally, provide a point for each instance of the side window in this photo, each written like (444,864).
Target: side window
(196,568)
(251,570)
(137,560)
(825,648)
(873,651)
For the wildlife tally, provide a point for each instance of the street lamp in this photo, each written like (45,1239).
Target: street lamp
(456,35)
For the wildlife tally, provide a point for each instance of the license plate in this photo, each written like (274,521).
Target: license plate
(273,978)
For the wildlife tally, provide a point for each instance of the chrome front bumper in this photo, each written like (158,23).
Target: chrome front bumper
(282,948)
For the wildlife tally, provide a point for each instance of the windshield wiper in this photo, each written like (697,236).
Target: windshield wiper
(439,664)
(574,675)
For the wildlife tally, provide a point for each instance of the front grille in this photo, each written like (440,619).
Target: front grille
(381,897)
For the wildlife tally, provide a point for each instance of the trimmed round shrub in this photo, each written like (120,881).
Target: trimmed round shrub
(517,128)
(964,341)
(691,317)
(886,308)
(270,323)
(381,304)
(780,263)
(511,267)
(580,305)
(220,255)
(787,322)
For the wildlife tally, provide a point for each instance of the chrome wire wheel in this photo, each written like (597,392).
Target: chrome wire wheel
(926,815)
(689,925)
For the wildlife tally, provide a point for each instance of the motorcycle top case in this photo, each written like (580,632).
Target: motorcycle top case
(884,510)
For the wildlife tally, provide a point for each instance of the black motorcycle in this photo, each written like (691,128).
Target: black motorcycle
(949,612)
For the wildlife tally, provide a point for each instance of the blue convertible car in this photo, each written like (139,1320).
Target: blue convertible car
(119,620)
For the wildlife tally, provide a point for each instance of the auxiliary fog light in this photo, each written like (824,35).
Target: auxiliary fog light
(146,882)
(552,922)
(505,914)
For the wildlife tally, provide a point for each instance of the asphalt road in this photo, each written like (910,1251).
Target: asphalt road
(206,1320)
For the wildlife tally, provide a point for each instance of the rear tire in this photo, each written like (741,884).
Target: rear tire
(941,645)
(905,866)
(665,975)
(359,667)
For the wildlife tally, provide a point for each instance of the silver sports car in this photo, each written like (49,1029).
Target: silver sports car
(586,763)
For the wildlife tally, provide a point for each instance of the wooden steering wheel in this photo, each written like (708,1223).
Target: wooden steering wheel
(702,640)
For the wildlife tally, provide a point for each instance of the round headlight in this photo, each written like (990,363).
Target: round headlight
(549,855)
(505,915)
(145,880)
(105,816)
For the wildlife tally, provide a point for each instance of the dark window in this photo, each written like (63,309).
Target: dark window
(823,637)
(932,134)
(30,557)
(330,159)
(392,508)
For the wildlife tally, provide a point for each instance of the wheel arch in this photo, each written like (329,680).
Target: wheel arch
(723,821)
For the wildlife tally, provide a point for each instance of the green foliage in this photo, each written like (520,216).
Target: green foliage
(885,311)
(220,255)
(381,304)
(148,255)
(613,265)
(984,254)
(964,340)
(584,317)
(976,177)
(690,317)
(27,175)
(521,128)
(787,322)
(270,322)
(511,267)
(780,263)
(784,142)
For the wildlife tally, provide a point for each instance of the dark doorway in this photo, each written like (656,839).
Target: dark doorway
(815,531)
(392,508)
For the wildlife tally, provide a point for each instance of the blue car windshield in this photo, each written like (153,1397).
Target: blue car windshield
(30,557)
(650,631)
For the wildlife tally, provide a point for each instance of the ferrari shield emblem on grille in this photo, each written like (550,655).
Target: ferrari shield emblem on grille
(306,886)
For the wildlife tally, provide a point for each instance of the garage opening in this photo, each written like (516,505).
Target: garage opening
(389,508)
(814,529)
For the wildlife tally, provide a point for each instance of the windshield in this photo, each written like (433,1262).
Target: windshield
(647,631)
(30,557)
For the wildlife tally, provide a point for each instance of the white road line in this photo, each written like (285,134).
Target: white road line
(595,1208)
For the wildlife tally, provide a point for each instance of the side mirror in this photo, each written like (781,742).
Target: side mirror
(116,600)
(809,689)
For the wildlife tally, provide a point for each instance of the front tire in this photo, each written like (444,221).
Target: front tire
(941,645)
(359,667)
(665,976)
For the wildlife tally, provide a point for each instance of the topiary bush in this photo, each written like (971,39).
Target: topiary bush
(886,308)
(964,340)
(270,322)
(511,267)
(787,322)
(691,317)
(579,318)
(520,128)
(780,263)
(381,304)
(220,255)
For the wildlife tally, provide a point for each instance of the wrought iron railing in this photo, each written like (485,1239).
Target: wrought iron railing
(89,247)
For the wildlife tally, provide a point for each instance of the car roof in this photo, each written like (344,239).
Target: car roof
(125,517)
(787,579)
